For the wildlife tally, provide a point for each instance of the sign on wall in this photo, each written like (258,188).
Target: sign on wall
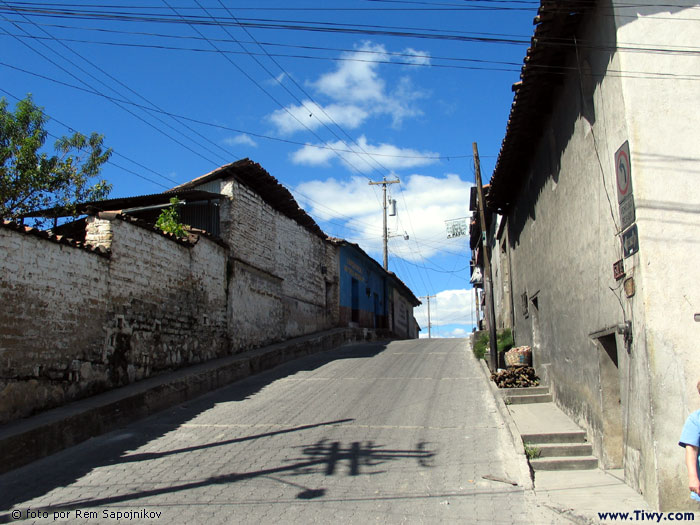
(623,176)
(619,270)
(630,242)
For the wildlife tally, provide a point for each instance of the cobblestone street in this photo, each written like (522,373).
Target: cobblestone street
(401,433)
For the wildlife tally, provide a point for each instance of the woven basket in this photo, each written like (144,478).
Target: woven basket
(519,356)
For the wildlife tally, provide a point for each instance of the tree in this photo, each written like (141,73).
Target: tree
(169,219)
(32,180)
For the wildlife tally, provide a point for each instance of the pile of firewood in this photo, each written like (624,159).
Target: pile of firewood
(517,377)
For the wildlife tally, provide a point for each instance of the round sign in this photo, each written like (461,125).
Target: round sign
(623,172)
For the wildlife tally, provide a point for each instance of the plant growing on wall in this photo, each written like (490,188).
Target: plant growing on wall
(31,179)
(169,219)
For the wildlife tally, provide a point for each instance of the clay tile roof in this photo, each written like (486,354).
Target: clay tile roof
(59,239)
(551,47)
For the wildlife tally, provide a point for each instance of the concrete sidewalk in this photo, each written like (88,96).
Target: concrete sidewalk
(29,439)
(577,494)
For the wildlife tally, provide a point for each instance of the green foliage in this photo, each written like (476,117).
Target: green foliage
(169,219)
(30,179)
(481,345)
(504,340)
(532,451)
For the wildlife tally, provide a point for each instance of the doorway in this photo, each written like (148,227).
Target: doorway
(355,301)
(611,406)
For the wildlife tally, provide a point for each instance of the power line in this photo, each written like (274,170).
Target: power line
(110,161)
(95,91)
(279,82)
(223,127)
(150,103)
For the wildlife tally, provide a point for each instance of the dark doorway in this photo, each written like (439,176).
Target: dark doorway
(611,407)
(376,311)
(355,301)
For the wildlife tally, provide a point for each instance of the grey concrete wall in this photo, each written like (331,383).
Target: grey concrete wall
(564,238)
(500,273)
(661,122)
(403,322)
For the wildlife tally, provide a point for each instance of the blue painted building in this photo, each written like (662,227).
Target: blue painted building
(370,297)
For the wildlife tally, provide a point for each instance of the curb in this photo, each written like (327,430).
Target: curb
(27,440)
(524,466)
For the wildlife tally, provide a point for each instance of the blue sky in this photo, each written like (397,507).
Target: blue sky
(324,95)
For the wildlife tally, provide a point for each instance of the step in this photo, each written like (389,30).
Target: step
(556,437)
(563,450)
(525,390)
(570,463)
(526,399)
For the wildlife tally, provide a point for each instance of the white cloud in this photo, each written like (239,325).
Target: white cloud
(419,58)
(242,139)
(351,200)
(356,79)
(310,115)
(389,156)
(313,156)
(423,204)
(357,92)
(449,307)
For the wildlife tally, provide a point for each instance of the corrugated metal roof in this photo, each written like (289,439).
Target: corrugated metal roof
(123,203)
(254,176)
(541,75)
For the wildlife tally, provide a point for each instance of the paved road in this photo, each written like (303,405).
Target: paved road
(373,433)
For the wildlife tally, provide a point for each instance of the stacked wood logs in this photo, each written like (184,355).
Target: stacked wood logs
(517,377)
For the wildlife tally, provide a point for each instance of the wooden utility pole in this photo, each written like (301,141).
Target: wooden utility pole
(383,183)
(488,290)
(427,298)
(478,304)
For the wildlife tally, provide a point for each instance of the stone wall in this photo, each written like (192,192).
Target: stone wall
(77,321)
(283,276)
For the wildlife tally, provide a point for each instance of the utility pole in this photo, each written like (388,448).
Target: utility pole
(478,304)
(488,290)
(383,183)
(427,298)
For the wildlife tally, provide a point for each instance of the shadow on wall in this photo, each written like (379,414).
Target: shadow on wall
(558,117)
(66,467)
(589,64)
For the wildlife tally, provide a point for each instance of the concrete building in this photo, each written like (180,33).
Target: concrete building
(597,184)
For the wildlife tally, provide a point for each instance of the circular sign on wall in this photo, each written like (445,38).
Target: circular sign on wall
(623,172)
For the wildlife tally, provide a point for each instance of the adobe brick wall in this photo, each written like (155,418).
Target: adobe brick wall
(74,323)
(278,288)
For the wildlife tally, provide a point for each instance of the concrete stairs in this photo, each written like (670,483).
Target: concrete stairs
(563,448)
(521,396)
